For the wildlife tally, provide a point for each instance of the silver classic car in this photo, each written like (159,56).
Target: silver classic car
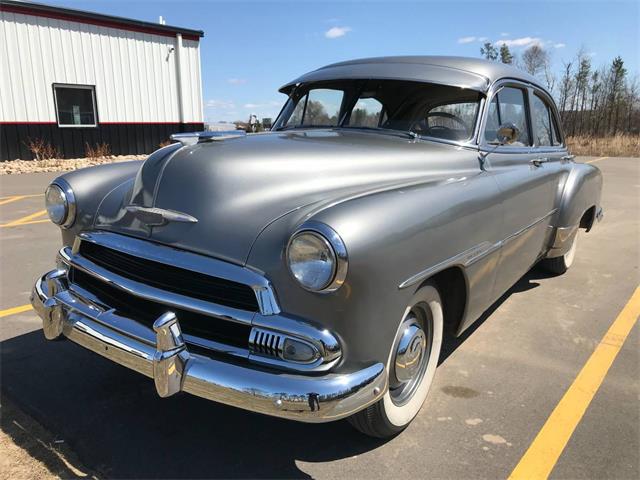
(312,272)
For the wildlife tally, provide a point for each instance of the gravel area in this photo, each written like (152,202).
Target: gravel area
(12,167)
(29,451)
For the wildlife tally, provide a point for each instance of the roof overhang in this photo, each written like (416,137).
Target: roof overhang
(92,18)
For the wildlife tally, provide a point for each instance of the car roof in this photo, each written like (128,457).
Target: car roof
(474,73)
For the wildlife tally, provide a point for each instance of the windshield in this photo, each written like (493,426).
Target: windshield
(438,111)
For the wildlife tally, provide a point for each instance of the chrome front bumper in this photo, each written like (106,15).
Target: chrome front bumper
(161,354)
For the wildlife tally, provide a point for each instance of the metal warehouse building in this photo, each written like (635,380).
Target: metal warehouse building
(72,78)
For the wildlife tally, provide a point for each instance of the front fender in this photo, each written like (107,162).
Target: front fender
(90,186)
(390,236)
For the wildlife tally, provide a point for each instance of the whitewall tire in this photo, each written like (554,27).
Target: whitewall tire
(411,367)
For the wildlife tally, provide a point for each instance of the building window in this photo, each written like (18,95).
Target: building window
(75,105)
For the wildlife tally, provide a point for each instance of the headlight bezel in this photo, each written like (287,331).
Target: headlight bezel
(336,246)
(69,202)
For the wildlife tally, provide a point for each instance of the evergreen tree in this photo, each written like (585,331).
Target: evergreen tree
(505,54)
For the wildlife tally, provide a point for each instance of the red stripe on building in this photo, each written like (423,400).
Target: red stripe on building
(102,123)
(95,21)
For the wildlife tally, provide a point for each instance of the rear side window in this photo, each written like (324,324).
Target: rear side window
(541,117)
(508,106)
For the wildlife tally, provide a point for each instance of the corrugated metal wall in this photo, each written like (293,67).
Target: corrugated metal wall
(134,73)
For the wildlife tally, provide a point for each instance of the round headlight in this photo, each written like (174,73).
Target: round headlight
(317,257)
(60,204)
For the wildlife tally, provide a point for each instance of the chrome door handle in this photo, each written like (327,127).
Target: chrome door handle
(537,162)
(568,158)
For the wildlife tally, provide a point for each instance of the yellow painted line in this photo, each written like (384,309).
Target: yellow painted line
(46,220)
(543,453)
(596,160)
(15,198)
(29,195)
(24,220)
(14,310)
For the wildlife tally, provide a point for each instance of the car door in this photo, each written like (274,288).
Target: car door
(526,184)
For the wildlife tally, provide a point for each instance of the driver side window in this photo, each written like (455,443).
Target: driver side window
(449,121)
(508,106)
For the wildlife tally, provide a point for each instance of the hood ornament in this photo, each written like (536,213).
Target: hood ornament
(191,138)
(154,216)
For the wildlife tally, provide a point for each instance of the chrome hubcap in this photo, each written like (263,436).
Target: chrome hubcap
(410,352)
(410,359)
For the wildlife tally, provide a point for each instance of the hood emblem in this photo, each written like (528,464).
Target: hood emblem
(153,216)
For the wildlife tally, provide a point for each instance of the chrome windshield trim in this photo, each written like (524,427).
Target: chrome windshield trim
(471,255)
(265,294)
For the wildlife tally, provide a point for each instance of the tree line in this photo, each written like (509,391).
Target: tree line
(593,100)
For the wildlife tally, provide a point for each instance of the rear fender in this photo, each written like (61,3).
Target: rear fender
(580,193)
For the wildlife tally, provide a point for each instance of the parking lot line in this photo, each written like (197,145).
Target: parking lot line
(14,310)
(595,160)
(26,220)
(543,453)
(15,198)
(27,195)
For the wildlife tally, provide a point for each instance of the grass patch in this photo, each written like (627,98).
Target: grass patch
(622,145)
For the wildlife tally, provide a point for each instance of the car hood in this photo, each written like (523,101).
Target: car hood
(236,187)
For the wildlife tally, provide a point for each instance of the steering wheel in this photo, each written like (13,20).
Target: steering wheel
(423,125)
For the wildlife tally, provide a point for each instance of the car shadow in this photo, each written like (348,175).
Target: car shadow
(114,421)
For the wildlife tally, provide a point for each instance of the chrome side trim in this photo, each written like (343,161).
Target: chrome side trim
(471,255)
(265,295)
(528,227)
(463,259)
(167,360)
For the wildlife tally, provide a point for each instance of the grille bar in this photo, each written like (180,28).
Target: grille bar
(147,311)
(170,278)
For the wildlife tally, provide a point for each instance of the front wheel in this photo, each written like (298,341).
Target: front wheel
(411,366)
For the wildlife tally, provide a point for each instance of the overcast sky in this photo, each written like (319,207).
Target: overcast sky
(250,49)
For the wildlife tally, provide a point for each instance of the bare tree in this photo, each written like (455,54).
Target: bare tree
(534,59)
(565,87)
(592,101)
(618,73)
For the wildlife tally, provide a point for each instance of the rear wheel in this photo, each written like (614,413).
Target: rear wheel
(411,366)
(561,264)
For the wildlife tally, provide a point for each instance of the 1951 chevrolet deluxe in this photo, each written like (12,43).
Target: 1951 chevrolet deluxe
(312,272)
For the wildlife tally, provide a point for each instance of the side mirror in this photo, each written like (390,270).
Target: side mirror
(508,133)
